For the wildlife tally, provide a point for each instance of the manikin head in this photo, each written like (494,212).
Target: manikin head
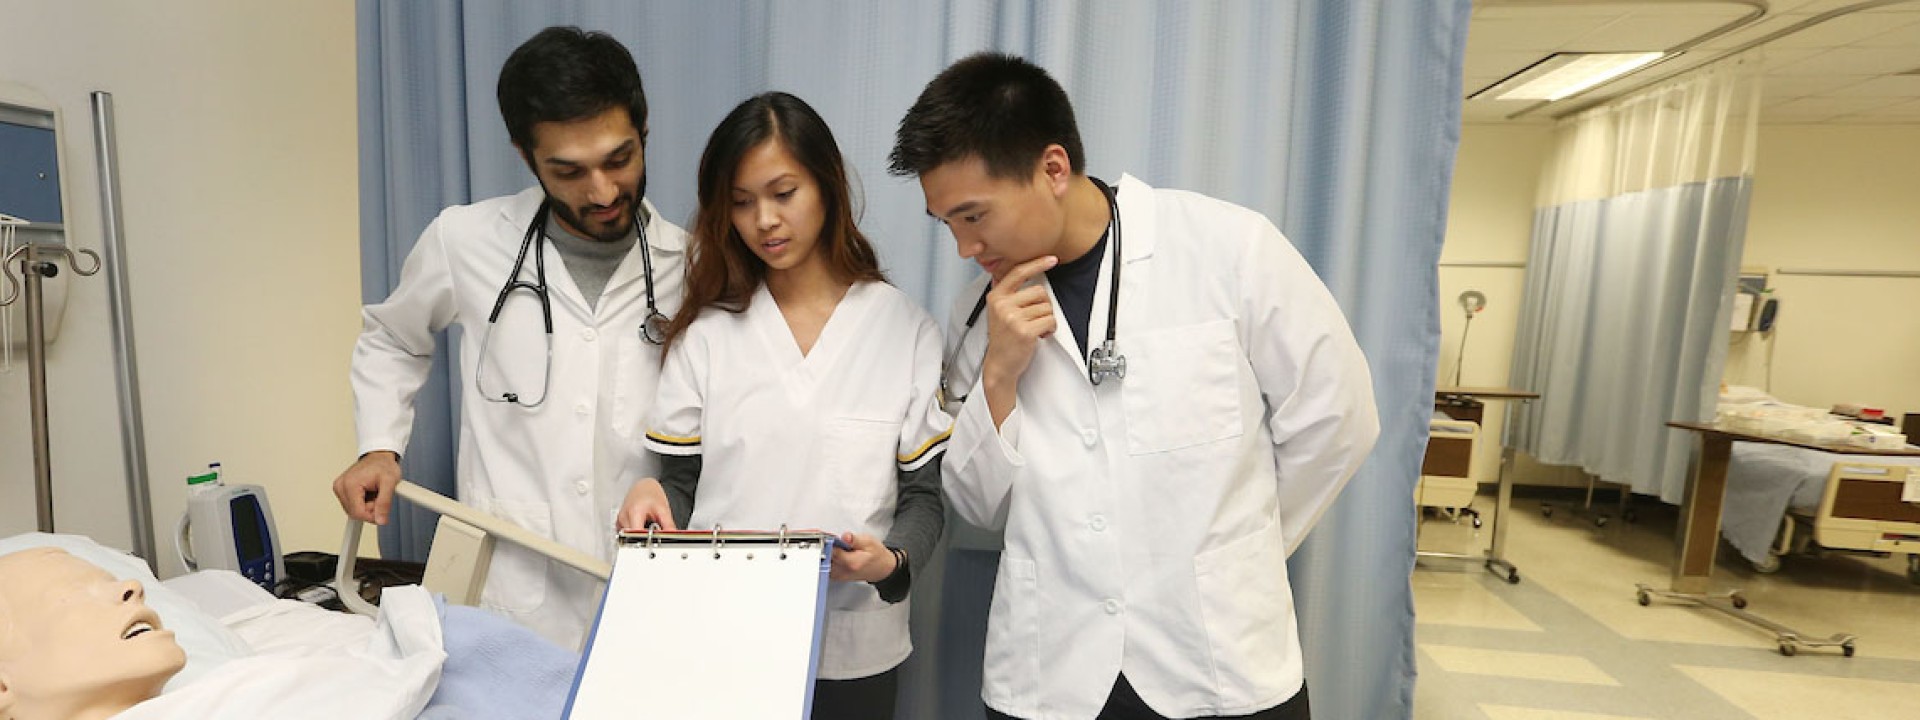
(75,642)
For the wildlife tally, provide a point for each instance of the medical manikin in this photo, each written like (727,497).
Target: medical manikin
(75,642)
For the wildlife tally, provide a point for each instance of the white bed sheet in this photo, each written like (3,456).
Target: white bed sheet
(312,663)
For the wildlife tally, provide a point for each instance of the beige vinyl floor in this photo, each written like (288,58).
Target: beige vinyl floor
(1570,641)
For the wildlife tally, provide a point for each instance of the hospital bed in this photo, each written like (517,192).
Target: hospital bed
(1781,497)
(1784,500)
(1446,475)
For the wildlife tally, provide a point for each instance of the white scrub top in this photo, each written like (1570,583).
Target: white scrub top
(560,469)
(810,442)
(1148,520)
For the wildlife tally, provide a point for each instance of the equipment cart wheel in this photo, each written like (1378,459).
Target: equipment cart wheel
(1787,648)
(1644,597)
(1513,577)
(1846,648)
(1740,603)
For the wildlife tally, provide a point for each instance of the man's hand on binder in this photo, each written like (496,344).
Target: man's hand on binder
(646,504)
(861,558)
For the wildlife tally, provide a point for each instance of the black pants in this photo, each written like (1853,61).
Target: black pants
(857,699)
(1125,704)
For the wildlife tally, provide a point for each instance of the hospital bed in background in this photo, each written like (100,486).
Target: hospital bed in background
(1446,475)
(1791,499)
(1784,500)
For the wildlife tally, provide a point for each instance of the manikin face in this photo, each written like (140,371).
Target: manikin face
(1000,222)
(594,170)
(74,641)
(777,207)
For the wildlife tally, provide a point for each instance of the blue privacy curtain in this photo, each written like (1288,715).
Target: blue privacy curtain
(1337,118)
(1637,237)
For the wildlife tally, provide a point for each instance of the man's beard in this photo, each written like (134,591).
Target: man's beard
(619,229)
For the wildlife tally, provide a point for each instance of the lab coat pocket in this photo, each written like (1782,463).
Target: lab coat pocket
(858,459)
(1247,608)
(1182,387)
(1012,670)
(517,579)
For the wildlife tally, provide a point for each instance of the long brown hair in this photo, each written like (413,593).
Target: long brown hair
(721,271)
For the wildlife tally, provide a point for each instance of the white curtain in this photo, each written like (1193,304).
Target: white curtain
(1638,232)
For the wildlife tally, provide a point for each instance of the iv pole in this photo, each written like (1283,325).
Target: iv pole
(36,264)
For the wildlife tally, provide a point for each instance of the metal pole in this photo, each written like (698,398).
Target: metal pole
(133,437)
(31,268)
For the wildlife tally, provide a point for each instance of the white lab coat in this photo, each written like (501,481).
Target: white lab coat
(814,441)
(560,469)
(1148,520)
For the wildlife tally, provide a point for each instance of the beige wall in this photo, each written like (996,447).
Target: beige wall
(1838,198)
(1489,232)
(238,152)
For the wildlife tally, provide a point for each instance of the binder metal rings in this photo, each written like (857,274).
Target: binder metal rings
(717,542)
(653,543)
(783,541)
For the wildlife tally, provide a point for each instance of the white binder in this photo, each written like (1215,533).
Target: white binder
(707,626)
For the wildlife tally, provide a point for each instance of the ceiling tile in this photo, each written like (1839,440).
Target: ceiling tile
(1836,32)
(1817,105)
(1899,34)
(1518,9)
(1782,89)
(1724,9)
(1854,61)
(1753,31)
(1907,86)
(1642,33)
(1500,64)
(1773,57)
(1540,32)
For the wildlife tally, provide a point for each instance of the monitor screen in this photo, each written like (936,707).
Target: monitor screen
(249,532)
(30,177)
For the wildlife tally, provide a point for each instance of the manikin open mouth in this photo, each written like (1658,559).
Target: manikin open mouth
(137,629)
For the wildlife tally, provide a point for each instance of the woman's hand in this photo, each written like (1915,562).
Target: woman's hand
(646,504)
(861,558)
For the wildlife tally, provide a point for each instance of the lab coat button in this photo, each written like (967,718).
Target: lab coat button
(1099,523)
(588,335)
(582,487)
(1089,437)
(1111,606)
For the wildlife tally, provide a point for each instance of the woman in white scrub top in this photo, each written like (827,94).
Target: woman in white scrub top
(799,389)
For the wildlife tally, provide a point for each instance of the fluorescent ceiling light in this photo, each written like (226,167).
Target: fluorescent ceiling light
(1565,74)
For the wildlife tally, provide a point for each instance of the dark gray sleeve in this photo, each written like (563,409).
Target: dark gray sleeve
(918,518)
(680,477)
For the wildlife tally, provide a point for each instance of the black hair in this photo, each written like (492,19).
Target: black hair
(563,74)
(721,271)
(997,106)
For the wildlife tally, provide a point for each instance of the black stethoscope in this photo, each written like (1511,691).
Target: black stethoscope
(1104,362)
(653,329)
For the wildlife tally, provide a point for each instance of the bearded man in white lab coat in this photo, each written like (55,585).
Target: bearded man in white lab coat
(558,370)
(1160,400)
